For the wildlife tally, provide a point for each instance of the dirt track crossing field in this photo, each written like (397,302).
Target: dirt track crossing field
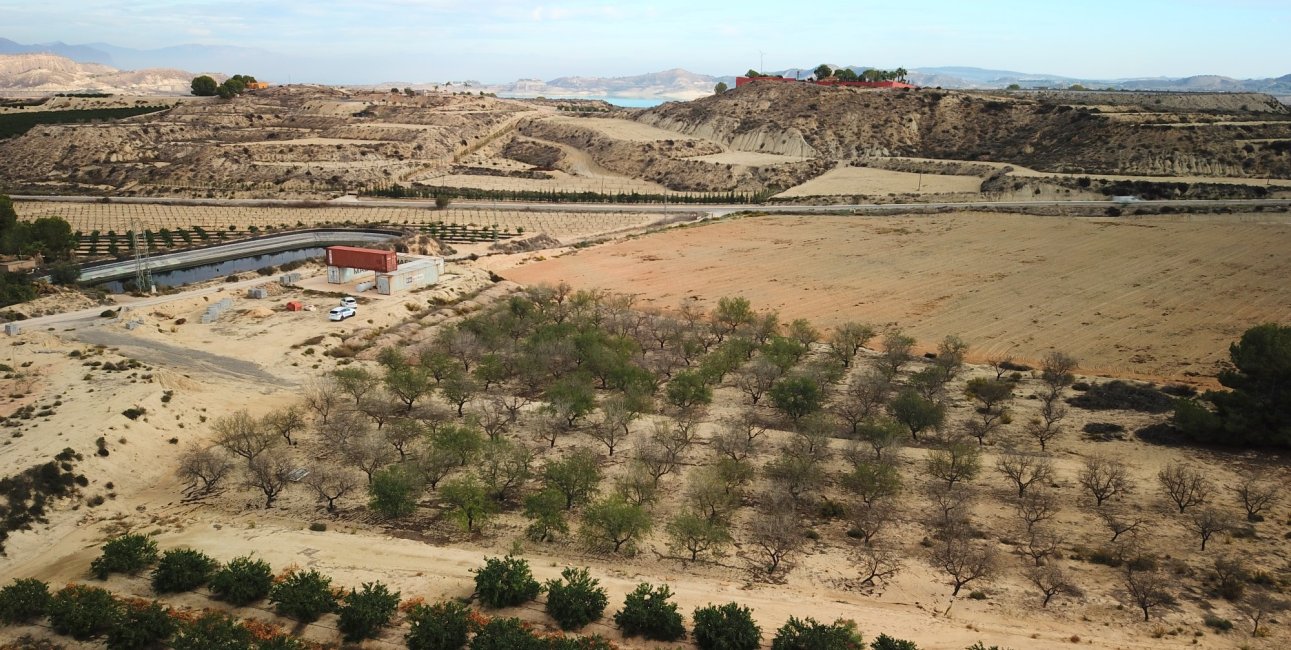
(1157,297)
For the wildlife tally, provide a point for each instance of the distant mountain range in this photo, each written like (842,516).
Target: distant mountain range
(48,73)
(669,84)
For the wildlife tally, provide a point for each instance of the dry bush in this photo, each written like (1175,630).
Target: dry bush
(1184,486)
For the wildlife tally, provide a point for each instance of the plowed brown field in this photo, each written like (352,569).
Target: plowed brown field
(1158,297)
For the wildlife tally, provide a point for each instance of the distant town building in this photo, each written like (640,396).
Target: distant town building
(257,85)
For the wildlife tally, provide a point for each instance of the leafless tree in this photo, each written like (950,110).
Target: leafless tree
(956,461)
(205,465)
(1231,572)
(461,344)
(740,435)
(1052,580)
(1056,372)
(951,506)
(242,434)
(1120,523)
(550,426)
(775,531)
(1000,363)
(870,519)
(1048,426)
(268,473)
(863,399)
(331,482)
(876,564)
(436,463)
(339,430)
(638,485)
(1208,521)
(676,435)
(1024,469)
(368,453)
(1183,485)
(1104,478)
(708,496)
(617,415)
(1256,496)
(513,405)
(1147,589)
(962,560)
(492,416)
(1258,606)
(1037,506)
(1041,543)
(285,422)
(654,459)
(323,397)
(757,378)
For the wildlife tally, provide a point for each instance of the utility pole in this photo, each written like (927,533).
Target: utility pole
(762,62)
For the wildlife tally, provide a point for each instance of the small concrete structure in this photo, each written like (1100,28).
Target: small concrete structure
(214,311)
(12,329)
(289,279)
(259,293)
(16,266)
(419,272)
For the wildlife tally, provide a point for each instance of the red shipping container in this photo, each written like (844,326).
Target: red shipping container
(362,258)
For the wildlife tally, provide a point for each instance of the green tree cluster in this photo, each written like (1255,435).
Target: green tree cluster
(1256,408)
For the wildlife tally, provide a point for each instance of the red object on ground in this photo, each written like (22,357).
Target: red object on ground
(294,305)
(362,258)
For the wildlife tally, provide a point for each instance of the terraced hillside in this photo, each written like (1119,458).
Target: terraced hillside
(1156,134)
(294,140)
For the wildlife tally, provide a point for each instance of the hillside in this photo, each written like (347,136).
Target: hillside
(49,73)
(1149,134)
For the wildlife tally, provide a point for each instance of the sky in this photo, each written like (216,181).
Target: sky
(494,41)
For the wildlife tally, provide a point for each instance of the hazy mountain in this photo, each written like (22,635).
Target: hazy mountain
(48,73)
(78,53)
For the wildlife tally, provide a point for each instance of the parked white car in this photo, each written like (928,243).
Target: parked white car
(351,302)
(340,313)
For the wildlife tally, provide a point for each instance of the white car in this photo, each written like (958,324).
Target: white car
(350,302)
(340,313)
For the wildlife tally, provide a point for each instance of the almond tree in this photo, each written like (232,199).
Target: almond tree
(204,465)
(1256,496)
(268,473)
(1024,469)
(1104,478)
(331,482)
(962,560)
(1051,580)
(1206,522)
(876,564)
(1185,486)
(242,434)
(1147,589)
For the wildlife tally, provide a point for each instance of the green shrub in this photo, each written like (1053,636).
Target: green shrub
(726,627)
(505,582)
(442,626)
(1217,623)
(182,569)
(885,642)
(82,612)
(130,553)
(1123,396)
(140,627)
(212,631)
(648,613)
(576,601)
(506,634)
(242,581)
(808,634)
(304,596)
(394,491)
(23,600)
(365,612)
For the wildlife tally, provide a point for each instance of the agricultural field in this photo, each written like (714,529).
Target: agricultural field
(1155,297)
(912,531)
(851,181)
(195,225)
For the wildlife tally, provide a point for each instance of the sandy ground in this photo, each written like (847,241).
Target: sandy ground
(866,180)
(1151,297)
(748,159)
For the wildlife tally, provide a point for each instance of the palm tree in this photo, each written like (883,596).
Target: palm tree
(901,74)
